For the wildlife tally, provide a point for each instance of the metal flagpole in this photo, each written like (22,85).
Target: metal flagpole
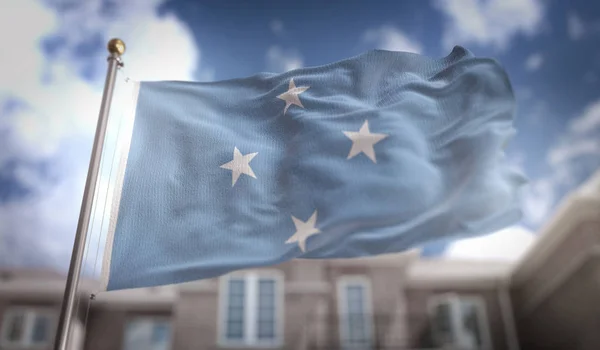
(116,48)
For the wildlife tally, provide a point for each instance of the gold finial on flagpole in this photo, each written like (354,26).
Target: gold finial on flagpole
(116,46)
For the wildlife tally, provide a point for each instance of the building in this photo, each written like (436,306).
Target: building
(555,287)
(548,300)
(391,302)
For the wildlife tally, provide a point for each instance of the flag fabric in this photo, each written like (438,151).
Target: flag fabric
(375,154)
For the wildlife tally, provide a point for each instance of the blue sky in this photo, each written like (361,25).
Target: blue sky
(51,83)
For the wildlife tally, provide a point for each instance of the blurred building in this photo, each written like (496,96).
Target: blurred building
(548,300)
(556,287)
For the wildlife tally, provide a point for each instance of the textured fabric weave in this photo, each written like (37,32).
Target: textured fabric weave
(376,154)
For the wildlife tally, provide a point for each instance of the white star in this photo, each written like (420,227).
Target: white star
(304,230)
(363,141)
(239,165)
(291,96)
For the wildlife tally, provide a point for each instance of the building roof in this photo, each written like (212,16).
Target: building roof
(580,205)
(454,273)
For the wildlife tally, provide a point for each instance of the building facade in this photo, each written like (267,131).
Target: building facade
(556,286)
(548,300)
(392,302)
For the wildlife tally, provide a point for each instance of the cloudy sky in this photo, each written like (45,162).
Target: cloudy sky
(53,63)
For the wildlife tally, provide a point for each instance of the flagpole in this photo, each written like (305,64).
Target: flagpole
(116,48)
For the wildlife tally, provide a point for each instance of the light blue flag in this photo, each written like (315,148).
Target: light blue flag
(376,154)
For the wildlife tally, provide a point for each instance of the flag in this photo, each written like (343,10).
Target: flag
(375,154)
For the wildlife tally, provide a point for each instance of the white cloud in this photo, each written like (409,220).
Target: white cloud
(582,140)
(276,27)
(41,226)
(534,62)
(569,150)
(22,62)
(572,159)
(280,60)
(58,120)
(392,39)
(490,22)
(69,105)
(588,121)
(538,198)
(506,245)
(575,26)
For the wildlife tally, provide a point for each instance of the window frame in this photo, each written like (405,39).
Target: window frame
(342,283)
(30,315)
(251,304)
(152,319)
(454,300)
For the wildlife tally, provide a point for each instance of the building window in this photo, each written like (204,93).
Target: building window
(355,314)
(252,309)
(148,334)
(459,321)
(25,327)
(235,309)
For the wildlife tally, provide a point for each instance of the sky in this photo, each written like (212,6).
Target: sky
(53,65)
